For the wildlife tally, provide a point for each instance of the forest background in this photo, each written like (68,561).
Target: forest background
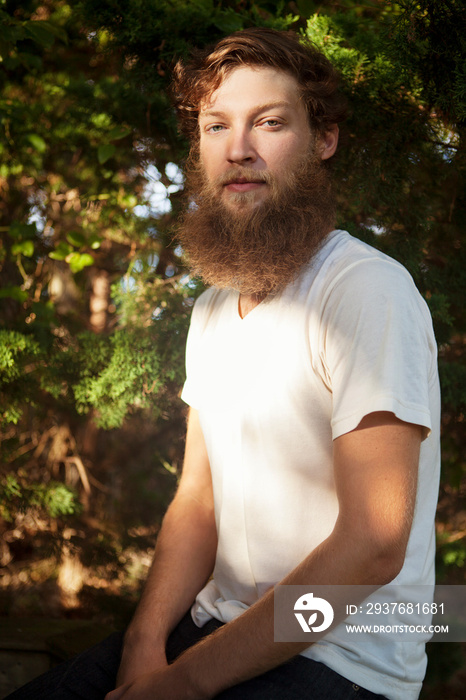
(95,296)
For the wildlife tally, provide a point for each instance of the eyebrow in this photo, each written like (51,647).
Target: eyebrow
(256,110)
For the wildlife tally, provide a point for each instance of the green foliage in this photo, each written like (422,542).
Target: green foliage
(454,555)
(94,296)
(126,379)
(54,499)
(18,359)
(133,368)
(12,345)
(429,41)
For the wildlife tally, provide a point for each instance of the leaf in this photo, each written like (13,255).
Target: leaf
(10,33)
(94,242)
(77,261)
(61,251)
(76,238)
(99,197)
(40,32)
(13,292)
(59,500)
(11,487)
(119,132)
(105,152)
(228,21)
(37,141)
(25,248)
(58,32)
(18,230)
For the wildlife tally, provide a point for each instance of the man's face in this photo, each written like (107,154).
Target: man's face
(253,125)
(263,199)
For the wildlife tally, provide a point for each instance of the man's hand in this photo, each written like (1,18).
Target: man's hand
(165,684)
(139,659)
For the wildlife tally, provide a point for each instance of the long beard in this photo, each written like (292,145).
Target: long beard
(256,248)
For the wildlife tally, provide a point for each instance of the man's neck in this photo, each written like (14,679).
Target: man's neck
(248,302)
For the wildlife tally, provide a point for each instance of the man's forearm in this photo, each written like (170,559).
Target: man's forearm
(245,647)
(185,552)
(183,561)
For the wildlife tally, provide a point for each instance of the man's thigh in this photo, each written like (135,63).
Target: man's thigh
(299,679)
(92,674)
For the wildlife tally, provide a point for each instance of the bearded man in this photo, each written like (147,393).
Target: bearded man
(312,443)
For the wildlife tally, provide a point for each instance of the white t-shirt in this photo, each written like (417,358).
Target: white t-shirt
(350,336)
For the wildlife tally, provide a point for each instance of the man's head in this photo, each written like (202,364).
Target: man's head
(262,113)
(194,82)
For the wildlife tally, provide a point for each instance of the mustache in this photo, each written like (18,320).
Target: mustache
(242,174)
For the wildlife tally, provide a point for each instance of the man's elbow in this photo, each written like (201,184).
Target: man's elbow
(385,560)
(388,569)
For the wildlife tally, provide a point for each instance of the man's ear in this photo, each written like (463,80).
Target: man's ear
(329,142)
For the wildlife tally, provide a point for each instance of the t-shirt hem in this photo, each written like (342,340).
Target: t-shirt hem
(418,415)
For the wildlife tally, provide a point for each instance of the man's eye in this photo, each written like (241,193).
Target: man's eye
(215,127)
(271,122)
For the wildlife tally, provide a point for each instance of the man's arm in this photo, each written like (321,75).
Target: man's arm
(183,561)
(376,475)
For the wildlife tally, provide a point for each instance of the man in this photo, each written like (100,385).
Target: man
(312,442)
(312,384)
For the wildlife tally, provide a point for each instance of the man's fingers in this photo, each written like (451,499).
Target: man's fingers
(117,693)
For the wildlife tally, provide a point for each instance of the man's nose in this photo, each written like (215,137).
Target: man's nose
(241,148)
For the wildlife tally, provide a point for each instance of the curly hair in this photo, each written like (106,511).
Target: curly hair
(318,80)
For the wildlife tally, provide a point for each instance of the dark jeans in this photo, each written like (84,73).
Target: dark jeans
(91,675)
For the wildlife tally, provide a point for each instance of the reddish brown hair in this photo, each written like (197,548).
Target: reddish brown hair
(196,80)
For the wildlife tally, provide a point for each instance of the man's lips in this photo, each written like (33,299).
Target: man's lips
(243,185)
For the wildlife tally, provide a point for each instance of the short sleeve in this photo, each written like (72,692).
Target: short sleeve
(189,393)
(378,347)
(202,311)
